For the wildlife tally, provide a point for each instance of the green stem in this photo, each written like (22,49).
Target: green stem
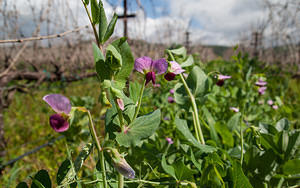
(120,181)
(242,143)
(194,106)
(98,146)
(140,100)
(196,129)
(93,25)
(196,121)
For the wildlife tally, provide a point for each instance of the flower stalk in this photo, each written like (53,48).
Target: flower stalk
(99,148)
(197,126)
(139,101)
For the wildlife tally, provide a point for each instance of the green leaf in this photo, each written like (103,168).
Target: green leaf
(113,58)
(168,168)
(238,177)
(41,179)
(86,2)
(102,22)
(95,11)
(188,62)
(181,125)
(195,162)
(197,81)
(179,52)
(180,95)
(103,70)
(111,27)
(211,123)
(282,124)
(182,171)
(85,151)
(141,128)
(234,122)
(22,185)
(65,174)
(291,167)
(293,145)
(227,137)
(127,60)
(134,91)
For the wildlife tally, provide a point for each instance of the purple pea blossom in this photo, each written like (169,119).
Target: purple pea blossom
(62,106)
(172,91)
(234,109)
(270,102)
(262,90)
(260,83)
(171,99)
(150,68)
(169,140)
(174,70)
(275,107)
(221,79)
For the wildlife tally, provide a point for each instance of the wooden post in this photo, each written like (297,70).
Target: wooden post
(187,40)
(125,16)
(256,42)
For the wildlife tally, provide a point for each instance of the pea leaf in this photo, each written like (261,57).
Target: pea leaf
(168,168)
(181,125)
(102,22)
(41,179)
(85,151)
(238,176)
(111,27)
(95,11)
(102,68)
(141,128)
(234,122)
(127,60)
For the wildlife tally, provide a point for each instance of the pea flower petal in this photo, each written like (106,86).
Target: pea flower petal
(58,123)
(143,64)
(160,66)
(171,99)
(176,68)
(262,90)
(169,140)
(121,104)
(270,102)
(150,76)
(260,83)
(59,103)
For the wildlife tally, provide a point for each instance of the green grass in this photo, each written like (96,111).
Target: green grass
(26,127)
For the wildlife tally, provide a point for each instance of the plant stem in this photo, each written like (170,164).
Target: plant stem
(197,132)
(242,142)
(139,101)
(120,180)
(196,121)
(98,146)
(194,106)
(93,25)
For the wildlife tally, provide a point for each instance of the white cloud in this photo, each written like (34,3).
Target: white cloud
(214,21)
(220,21)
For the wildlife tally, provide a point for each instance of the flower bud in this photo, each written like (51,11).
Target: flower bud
(121,165)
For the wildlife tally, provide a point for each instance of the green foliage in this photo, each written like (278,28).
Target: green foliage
(141,128)
(41,180)
(255,147)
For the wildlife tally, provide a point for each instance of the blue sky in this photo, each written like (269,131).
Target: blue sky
(216,22)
